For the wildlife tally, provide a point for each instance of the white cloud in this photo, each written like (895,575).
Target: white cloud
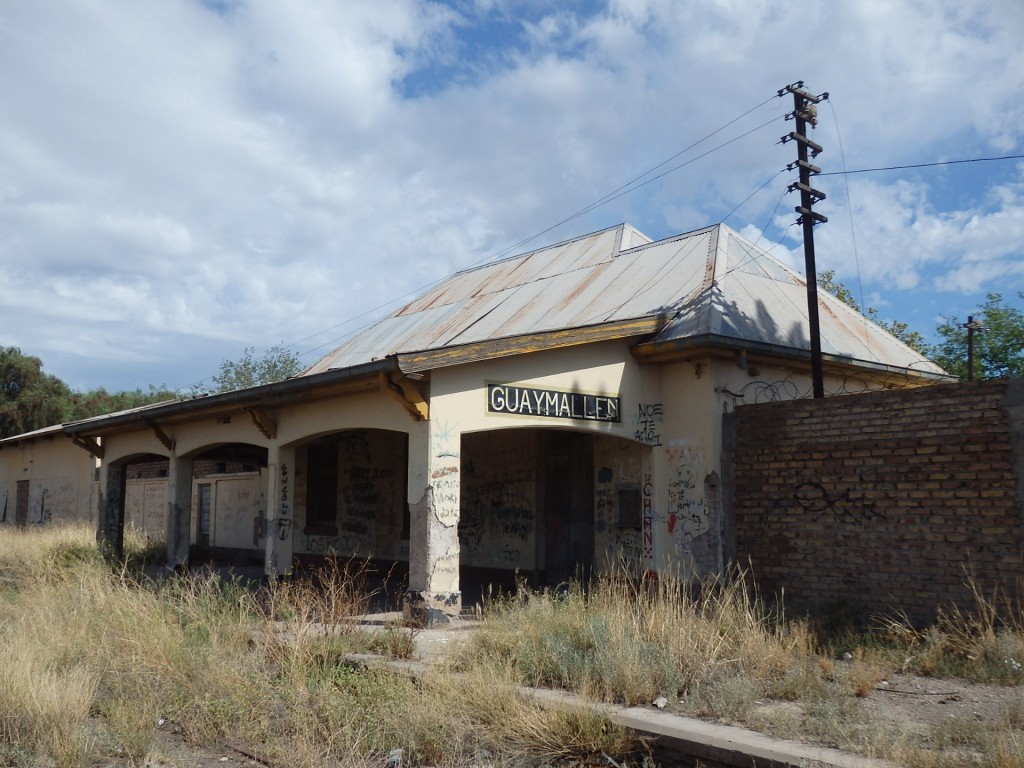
(180,181)
(903,241)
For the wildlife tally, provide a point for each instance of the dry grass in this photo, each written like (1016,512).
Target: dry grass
(215,659)
(720,652)
(100,659)
(627,642)
(983,644)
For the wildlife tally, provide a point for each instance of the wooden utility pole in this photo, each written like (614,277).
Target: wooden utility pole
(805,111)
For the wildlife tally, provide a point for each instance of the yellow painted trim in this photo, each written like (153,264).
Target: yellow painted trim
(414,362)
(405,392)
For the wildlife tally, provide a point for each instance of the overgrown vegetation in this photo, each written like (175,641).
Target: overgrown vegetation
(720,652)
(105,666)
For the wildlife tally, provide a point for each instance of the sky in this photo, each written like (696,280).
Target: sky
(183,179)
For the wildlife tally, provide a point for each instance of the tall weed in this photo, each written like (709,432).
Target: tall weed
(630,642)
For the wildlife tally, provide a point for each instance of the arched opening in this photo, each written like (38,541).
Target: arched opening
(547,506)
(351,501)
(219,508)
(145,495)
(228,504)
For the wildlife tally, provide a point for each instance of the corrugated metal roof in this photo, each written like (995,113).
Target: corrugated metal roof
(710,281)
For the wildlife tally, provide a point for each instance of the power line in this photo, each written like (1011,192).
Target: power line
(747,198)
(630,186)
(853,227)
(923,165)
(624,189)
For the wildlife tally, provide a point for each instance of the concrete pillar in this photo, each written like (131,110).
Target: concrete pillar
(179,511)
(434,457)
(280,511)
(110,530)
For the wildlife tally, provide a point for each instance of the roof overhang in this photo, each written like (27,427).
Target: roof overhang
(46,433)
(332,383)
(693,347)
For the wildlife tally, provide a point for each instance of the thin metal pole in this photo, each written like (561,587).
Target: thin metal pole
(970,347)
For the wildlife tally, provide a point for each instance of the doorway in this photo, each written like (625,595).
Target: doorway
(567,464)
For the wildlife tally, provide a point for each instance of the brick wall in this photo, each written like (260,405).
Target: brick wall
(881,501)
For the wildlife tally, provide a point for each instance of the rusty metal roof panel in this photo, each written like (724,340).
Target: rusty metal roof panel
(755,297)
(708,281)
(581,255)
(665,273)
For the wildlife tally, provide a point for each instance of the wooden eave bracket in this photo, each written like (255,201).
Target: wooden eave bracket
(162,436)
(90,444)
(264,421)
(406,392)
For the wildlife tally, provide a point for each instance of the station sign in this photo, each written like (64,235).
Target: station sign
(550,403)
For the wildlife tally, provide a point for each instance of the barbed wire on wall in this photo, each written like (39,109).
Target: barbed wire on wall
(787,388)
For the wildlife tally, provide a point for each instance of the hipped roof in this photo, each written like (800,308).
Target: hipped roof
(711,285)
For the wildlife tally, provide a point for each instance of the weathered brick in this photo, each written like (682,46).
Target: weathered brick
(916,482)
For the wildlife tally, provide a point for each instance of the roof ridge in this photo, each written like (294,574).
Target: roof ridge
(535,251)
(669,239)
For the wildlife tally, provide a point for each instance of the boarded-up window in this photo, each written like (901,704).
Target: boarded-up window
(627,511)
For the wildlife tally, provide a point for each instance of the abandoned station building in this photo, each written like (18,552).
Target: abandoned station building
(551,414)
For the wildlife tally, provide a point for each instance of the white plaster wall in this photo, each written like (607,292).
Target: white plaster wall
(238,500)
(62,480)
(459,394)
(373,410)
(125,444)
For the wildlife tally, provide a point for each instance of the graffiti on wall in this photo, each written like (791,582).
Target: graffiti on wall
(444,474)
(687,511)
(648,522)
(850,506)
(344,544)
(445,482)
(284,520)
(629,546)
(366,492)
(498,507)
(648,424)
(354,447)
(604,508)
(445,569)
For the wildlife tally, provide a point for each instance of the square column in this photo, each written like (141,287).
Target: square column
(110,531)
(280,511)
(434,498)
(179,511)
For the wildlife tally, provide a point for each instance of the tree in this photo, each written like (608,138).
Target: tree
(96,402)
(913,339)
(276,364)
(29,398)
(998,347)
